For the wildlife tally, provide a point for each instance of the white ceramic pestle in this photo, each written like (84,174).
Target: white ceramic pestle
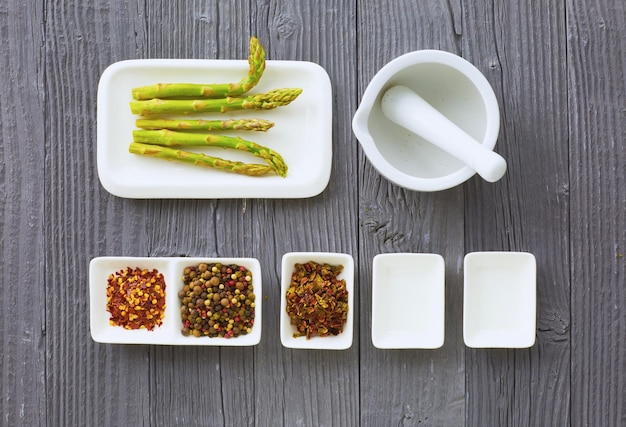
(404,107)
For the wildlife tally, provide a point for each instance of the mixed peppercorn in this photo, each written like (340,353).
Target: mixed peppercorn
(217,300)
(136,298)
(317,301)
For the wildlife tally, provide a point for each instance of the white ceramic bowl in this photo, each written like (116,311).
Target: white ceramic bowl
(500,299)
(341,341)
(408,301)
(452,86)
(169,332)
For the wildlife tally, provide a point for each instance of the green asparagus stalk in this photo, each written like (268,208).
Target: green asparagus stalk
(211,125)
(170,138)
(263,101)
(256,59)
(199,159)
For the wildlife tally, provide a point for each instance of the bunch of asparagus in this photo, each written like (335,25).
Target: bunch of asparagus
(159,136)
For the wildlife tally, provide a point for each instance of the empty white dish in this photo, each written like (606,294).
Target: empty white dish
(170,330)
(500,299)
(341,341)
(408,301)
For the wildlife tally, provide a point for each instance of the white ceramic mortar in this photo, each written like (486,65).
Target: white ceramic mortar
(453,87)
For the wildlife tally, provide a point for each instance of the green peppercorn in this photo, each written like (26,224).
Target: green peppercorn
(212,298)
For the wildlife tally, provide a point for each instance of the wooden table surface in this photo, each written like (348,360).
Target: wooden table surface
(557,69)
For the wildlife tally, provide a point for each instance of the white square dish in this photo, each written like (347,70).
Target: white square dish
(408,301)
(340,341)
(500,299)
(169,332)
(302,133)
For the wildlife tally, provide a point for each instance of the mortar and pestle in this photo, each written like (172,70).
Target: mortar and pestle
(429,121)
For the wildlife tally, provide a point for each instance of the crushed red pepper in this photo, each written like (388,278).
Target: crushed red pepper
(136,298)
(317,302)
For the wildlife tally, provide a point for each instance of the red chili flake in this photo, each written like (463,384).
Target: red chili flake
(136,298)
(317,302)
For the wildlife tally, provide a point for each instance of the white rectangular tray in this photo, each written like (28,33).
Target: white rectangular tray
(302,133)
(341,341)
(500,299)
(408,301)
(170,331)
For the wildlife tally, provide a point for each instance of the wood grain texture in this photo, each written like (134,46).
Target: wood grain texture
(250,385)
(520,48)
(557,69)
(22,282)
(86,383)
(200,228)
(408,387)
(596,60)
(310,387)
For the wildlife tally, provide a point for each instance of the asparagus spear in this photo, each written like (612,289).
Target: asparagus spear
(256,59)
(263,101)
(170,138)
(199,159)
(243,124)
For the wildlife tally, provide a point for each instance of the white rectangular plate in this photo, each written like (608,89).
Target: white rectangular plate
(499,300)
(302,133)
(408,301)
(170,331)
(341,341)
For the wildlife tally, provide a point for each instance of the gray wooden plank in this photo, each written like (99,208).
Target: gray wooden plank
(558,73)
(237,227)
(222,379)
(520,48)
(408,387)
(314,387)
(22,278)
(596,60)
(86,383)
